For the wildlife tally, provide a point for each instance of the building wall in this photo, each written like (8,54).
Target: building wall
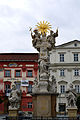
(69,66)
(24,66)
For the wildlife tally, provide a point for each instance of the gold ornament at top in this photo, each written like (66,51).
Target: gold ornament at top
(43,27)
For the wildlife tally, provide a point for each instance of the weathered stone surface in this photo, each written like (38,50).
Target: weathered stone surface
(14,98)
(72,111)
(13,113)
(71,96)
(44,44)
(44,101)
(45,105)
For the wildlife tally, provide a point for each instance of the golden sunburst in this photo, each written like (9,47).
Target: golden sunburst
(43,27)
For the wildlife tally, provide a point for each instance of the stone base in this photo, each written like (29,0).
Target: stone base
(13,113)
(72,111)
(44,104)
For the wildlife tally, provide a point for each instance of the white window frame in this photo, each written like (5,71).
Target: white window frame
(76,72)
(75,57)
(61,57)
(77,88)
(62,72)
(62,88)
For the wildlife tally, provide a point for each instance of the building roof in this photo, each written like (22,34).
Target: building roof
(64,44)
(18,56)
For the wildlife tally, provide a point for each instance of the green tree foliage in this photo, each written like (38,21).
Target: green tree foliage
(78,103)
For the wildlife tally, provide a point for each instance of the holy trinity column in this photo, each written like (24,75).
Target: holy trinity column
(43,43)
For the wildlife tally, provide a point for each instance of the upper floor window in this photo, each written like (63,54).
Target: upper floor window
(18,73)
(75,44)
(62,57)
(29,73)
(62,88)
(77,87)
(7,86)
(7,89)
(75,56)
(29,104)
(7,73)
(18,84)
(30,88)
(76,72)
(62,72)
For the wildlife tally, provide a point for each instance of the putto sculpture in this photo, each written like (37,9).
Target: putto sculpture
(43,43)
(14,98)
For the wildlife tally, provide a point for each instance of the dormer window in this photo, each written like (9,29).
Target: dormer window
(75,44)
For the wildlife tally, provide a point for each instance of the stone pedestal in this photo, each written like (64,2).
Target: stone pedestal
(72,111)
(13,113)
(44,104)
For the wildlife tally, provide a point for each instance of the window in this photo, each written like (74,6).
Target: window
(75,44)
(18,85)
(61,57)
(7,86)
(29,104)
(18,73)
(29,88)
(62,88)
(7,89)
(62,72)
(7,73)
(77,87)
(29,73)
(76,72)
(62,107)
(75,57)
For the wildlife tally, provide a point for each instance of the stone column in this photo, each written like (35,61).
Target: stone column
(44,92)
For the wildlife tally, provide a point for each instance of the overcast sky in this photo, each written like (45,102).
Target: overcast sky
(16,16)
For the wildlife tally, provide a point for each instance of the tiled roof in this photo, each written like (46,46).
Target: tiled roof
(18,56)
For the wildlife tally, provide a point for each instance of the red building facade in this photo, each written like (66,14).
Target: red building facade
(21,69)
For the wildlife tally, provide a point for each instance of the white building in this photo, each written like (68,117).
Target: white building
(65,66)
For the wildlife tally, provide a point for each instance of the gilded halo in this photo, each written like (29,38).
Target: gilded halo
(43,27)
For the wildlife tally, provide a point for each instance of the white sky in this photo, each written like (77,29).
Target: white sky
(16,16)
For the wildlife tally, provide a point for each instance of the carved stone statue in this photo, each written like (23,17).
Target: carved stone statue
(44,68)
(71,99)
(71,96)
(51,38)
(52,85)
(35,87)
(14,98)
(35,37)
(43,44)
